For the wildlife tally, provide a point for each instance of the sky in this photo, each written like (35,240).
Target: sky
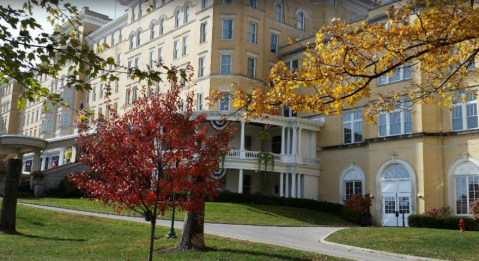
(108,7)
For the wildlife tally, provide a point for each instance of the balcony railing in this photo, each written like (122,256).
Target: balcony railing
(253,155)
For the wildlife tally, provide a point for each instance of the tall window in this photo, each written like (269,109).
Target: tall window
(203,32)
(401,73)
(132,42)
(135,94)
(251,67)
(224,104)
(225,64)
(120,35)
(66,120)
(253,3)
(127,97)
(464,113)
(117,87)
(68,98)
(204,3)
(187,15)
(112,39)
(133,15)
(160,53)
(128,73)
(100,91)
(152,31)
(467,190)
(227,32)
(300,23)
(333,2)
(274,43)
(201,66)
(396,122)
(177,18)
(154,4)
(176,49)
(138,38)
(353,127)
(185,45)
(200,101)
(94,94)
(162,26)
(252,32)
(140,10)
(278,13)
(354,16)
(150,60)
(292,65)
(118,59)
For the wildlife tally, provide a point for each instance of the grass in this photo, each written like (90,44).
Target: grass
(432,243)
(52,236)
(222,213)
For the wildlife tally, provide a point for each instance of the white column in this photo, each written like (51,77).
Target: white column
(36,161)
(295,141)
(283,142)
(242,151)
(42,167)
(74,153)
(293,185)
(299,141)
(240,181)
(288,142)
(287,194)
(281,189)
(61,160)
(299,186)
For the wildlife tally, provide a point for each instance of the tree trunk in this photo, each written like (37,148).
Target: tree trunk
(193,237)
(9,205)
(152,238)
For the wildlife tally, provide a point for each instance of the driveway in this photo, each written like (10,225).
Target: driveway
(302,238)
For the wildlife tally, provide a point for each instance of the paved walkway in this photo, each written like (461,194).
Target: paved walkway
(303,238)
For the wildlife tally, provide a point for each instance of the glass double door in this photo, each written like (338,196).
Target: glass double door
(396,202)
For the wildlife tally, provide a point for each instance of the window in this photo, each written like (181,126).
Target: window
(152,31)
(128,73)
(200,101)
(278,13)
(162,26)
(465,105)
(160,54)
(177,18)
(203,32)
(274,43)
(118,59)
(300,23)
(354,16)
(66,120)
(140,10)
(100,91)
(401,73)
(251,67)
(176,49)
(185,45)
(132,42)
(133,14)
(253,3)
(87,98)
(117,87)
(127,97)
(163,2)
(204,3)
(94,94)
(252,32)
(137,62)
(138,38)
(49,125)
(150,61)
(352,127)
(187,15)
(154,4)
(396,122)
(466,178)
(352,182)
(225,103)
(333,2)
(120,36)
(135,94)
(227,32)
(225,64)
(68,98)
(112,39)
(201,66)
(292,65)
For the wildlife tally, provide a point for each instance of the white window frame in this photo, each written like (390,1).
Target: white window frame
(176,49)
(152,31)
(223,36)
(224,103)
(278,16)
(66,120)
(400,73)
(200,100)
(203,32)
(185,45)
(187,15)
(221,64)
(300,22)
(354,174)
(253,34)
(204,4)
(276,50)
(150,61)
(353,118)
(201,67)
(177,18)
(354,16)
(470,106)
(162,26)
(254,4)
(254,67)
(405,116)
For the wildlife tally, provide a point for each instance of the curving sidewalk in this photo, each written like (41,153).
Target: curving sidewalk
(303,238)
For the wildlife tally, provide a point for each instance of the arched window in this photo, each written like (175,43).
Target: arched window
(466,186)
(152,31)
(301,21)
(278,13)
(177,18)
(397,172)
(132,41)
(138,38)
(187,14)
(162,26)
(352,182)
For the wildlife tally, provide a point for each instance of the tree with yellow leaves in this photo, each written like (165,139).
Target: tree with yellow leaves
(439,40)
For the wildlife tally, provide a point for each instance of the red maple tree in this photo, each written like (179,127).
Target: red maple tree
(137,160)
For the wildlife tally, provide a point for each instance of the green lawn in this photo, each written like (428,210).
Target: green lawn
(50,235)
(433,243)
(222,213)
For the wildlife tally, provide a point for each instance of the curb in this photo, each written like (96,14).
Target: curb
(367,250)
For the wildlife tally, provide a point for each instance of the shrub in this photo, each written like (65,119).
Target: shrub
(257,199)
(351,216)
(437,212)
(358,203)
(474,210)
(66,189)
(38,175)
(424,221)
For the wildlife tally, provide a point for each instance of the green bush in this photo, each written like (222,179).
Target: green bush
(257,199)
(66,189)
(351,216)
(452,222)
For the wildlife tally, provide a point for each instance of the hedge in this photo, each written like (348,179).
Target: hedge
(257,199)
(452,222)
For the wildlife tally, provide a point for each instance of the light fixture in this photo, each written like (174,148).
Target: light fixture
(419,195)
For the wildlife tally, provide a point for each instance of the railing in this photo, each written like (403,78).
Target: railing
(311,161)
(233,154)
(251,154)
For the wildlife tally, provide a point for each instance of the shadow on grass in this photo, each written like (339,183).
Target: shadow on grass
(50,238)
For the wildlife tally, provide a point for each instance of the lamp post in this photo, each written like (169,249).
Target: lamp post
(171,233)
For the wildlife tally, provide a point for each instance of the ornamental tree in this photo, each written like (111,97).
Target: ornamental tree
(438,39)
(139,159)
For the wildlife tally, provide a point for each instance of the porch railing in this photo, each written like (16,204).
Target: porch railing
(253,155)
